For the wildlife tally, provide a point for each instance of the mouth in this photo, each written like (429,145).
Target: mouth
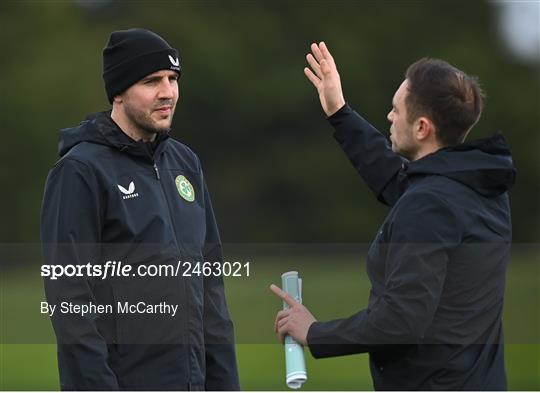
(164,110)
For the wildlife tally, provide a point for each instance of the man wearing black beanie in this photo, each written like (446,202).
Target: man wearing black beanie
(125,199)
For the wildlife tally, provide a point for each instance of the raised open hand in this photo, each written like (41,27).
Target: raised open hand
(325,77)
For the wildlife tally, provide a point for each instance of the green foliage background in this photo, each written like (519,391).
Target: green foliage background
(273,169)
(246,107)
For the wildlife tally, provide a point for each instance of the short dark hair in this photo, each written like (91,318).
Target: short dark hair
(449,97)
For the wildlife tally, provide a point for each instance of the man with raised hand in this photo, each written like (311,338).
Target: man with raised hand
(437,265)
(125,191)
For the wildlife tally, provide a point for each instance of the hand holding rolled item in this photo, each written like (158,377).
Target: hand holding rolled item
(292,325)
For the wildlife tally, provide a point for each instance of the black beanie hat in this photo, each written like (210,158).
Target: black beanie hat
(132,54)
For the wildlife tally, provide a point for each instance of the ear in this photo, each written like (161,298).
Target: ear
(424,128)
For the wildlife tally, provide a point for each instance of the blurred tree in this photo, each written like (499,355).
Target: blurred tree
(246,108)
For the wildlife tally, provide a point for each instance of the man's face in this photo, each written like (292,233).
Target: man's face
(401,131)
(149,104)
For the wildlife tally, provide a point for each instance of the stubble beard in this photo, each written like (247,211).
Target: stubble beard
(402,149)
(144,122)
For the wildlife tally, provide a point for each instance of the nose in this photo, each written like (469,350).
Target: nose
(166,89)
(389,116)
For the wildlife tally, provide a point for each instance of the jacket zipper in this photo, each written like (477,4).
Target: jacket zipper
(186,283)
(156,170)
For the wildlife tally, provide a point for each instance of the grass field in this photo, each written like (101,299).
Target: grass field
(28,357)
(33,367)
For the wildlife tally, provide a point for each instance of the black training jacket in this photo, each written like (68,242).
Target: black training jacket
(110,198)
(437,266)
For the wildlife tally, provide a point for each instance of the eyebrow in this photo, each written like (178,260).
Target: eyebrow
(150,78)
(156,77)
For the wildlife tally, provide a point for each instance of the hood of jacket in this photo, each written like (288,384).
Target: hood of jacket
(100,128)
(485,165)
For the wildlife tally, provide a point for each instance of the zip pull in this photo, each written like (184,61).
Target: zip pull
(156,170)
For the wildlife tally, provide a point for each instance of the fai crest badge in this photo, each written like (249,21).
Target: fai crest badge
(185,189)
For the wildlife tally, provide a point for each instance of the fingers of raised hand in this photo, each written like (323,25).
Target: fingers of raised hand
(312,77)
(325,52)
(325,67)
(314,64)
(317,52)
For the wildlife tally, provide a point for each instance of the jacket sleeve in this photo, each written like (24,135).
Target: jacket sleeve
(70,233)
(422,235)
(370,154)
(221,367)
